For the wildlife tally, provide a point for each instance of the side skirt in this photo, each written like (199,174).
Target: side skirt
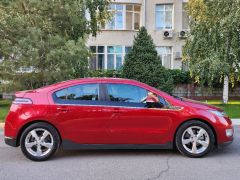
(69,145)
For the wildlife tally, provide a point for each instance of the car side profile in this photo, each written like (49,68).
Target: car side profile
(112,113)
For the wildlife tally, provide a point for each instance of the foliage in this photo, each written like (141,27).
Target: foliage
(212,47)
(105,73)
(179,76)
(44,41)
(143,63)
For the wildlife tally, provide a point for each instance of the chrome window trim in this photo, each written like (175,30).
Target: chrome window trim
(130,107)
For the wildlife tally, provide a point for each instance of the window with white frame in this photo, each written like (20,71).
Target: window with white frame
(132,19)
(164,16)
(185,17)
(125,17)
(97,61)
(165,53)
(108,57)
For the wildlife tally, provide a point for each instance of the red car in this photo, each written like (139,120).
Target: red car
(109,113)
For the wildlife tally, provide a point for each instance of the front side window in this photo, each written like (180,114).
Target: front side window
(165,53)
(164,16)
(124,17)
(88,92)
(126,93)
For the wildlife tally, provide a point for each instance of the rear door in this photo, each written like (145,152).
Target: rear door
(133,122)
(79,113)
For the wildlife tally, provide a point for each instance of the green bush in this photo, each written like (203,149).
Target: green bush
(179,76)
(143,64)
(105,73)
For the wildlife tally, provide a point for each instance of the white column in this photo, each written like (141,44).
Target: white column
(225,89)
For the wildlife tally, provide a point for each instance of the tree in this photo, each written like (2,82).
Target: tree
(143,63)
(44,41)
(212,47)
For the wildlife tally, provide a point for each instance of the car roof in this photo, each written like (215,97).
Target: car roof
(88,80)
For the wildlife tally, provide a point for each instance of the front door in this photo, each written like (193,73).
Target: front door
(133,122)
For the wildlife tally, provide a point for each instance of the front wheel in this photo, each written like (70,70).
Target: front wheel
(39,141)
(195,139)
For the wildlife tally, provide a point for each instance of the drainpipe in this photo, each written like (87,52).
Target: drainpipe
(144,13)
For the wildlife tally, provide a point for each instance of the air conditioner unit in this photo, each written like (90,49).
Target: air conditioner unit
(168,34)
(183,34)
(178,55)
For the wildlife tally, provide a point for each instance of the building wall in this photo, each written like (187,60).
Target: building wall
(198,93)
(126,37)
(176,43)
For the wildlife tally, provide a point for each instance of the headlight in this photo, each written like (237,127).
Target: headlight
(218,113)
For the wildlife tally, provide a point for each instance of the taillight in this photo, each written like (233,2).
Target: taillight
(22,101)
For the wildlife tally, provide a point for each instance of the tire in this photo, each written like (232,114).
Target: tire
(39,141)
(195,139)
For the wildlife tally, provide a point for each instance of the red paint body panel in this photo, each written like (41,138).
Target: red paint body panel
(109,124)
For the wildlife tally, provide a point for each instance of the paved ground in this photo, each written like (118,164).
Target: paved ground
(124,164)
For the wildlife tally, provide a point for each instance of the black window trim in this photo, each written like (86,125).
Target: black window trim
(101,97)
(127,104)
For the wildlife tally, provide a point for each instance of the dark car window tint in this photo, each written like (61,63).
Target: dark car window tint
(163,101)
(61,94)
(79,92)
(126,93)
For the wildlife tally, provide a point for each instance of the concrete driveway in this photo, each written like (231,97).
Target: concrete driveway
(122,164)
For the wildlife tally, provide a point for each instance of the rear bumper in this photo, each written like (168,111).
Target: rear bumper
(10,141)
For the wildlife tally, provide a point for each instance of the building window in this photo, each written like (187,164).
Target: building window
(108,57)
(125,17)
(164,16)
(132,17)
(165,53)
(114,57)
(117,19)
(185,17)
(98,58)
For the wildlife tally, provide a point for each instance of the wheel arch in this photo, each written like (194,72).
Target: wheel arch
(29,124)
(196,119)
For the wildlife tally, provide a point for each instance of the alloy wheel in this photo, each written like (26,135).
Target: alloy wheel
(195,139)
(39,142)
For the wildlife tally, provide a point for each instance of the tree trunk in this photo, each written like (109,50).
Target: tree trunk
(225,90)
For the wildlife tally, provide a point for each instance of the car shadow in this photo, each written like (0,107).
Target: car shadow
(109,153)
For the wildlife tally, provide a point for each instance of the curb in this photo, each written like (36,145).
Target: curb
(236,121)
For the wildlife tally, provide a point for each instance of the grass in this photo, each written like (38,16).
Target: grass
(232,108)
(4,108)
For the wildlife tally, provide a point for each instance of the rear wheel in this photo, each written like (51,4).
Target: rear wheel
(39,141)
(195,139)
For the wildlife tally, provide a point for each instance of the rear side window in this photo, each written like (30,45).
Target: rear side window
(89,92)
(126,93)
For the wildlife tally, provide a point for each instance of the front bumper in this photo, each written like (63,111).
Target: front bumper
(10,141)
(222,145)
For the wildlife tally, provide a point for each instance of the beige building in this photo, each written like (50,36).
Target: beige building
(165,20)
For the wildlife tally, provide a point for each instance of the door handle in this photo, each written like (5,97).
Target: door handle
(63,109)
(116,110)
